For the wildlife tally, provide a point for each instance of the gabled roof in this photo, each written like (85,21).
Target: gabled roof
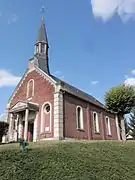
(78,93)
(23,77)
(69,89)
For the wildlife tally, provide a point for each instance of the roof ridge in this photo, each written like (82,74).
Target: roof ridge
(82,95)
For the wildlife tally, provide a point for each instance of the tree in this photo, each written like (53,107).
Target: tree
(131,124)
(120,99)
(127,129)
(3,129)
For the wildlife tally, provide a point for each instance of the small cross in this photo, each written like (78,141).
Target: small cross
(42,11)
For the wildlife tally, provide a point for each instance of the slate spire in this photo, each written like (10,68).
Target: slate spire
(41,48)
(42,35)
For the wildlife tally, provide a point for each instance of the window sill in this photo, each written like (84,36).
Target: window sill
(29,99)
(96,132)
(78,129)
(109,135)
(44,133)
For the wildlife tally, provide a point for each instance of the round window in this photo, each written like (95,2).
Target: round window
(47,108)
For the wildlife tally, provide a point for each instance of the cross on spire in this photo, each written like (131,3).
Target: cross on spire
(42,12)
(42,35)
(41,46)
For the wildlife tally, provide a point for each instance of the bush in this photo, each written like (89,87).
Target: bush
(3,129)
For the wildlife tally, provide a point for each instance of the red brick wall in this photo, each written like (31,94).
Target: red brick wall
(70,125)
(70,130)
(43,91)
(113,135)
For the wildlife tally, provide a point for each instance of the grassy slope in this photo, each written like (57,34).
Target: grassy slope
(69,160)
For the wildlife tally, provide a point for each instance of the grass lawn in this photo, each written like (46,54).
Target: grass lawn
(69,160)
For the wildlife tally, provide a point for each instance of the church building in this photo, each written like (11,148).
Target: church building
(43,107)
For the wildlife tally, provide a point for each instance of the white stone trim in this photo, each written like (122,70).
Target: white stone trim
(10,134)
(10,121)
(47,139)
(19,104)
(58,114)
(31,66)
(108,125)
(19,85)
(35,133)
(28,88)
(35,50)
(97,123)
(29,99)
(20,128)
(39,47)
(117,127)
(66,139)
(46,76)
(81,118)
(42,73)
(34,103)
(26,124)
(42,128)
(16,127)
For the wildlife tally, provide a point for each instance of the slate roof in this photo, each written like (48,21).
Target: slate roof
(42,62)
(78,93)
(42,35)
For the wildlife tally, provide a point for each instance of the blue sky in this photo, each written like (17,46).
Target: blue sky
(92,42)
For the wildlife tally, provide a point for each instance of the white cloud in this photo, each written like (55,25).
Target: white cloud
(13,18)
(130,81)
(105,9)
(94,82)
(133,71)
(2,117)
(8,79)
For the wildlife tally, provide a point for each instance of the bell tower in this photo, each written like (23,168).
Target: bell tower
(41,48)
(41,44)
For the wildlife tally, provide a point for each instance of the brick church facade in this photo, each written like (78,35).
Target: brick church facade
(44,107)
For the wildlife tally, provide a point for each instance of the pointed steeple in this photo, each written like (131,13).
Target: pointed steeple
(41,48)
(42,35)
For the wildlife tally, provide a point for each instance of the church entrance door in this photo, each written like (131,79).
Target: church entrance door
(30,131)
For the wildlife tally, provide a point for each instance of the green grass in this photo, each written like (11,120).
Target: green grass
(72,160)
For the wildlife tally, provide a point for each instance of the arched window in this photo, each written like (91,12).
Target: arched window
(79,117)
(95,122)
(37,48)
(108,126)
(46,117)
(30,88)
(42,48)
(47,108)
(14,124)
